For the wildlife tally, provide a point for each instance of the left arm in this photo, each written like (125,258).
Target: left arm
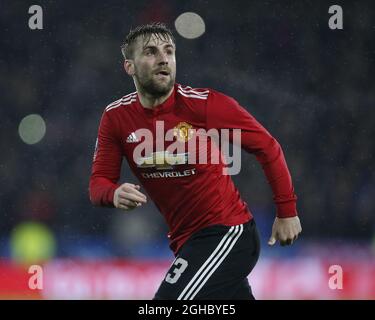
(225,112)
(269,154)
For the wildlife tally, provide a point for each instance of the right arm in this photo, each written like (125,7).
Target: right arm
(104,189)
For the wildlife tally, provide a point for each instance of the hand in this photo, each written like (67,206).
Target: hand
(128,197)
(286,230)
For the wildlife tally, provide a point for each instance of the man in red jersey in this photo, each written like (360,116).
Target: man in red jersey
(211,230)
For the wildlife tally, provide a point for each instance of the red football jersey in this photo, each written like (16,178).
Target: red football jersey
(190,195)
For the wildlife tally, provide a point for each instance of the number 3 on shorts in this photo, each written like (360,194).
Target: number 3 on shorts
(180,266)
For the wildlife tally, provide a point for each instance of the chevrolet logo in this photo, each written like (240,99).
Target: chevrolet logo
(162,160)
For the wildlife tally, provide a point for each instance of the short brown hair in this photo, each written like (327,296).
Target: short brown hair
(157,28)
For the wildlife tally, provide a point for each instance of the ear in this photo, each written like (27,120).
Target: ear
(129,67)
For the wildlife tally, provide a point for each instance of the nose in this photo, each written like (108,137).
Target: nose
(163,60)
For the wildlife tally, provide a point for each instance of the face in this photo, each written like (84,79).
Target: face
(153,65)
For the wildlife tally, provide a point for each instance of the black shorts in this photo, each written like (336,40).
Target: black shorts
(213,264)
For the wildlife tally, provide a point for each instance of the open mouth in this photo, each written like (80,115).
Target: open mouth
(163,73)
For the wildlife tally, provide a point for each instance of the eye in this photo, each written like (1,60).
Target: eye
(149,52)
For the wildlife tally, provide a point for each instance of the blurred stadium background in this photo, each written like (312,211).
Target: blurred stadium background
(312,87)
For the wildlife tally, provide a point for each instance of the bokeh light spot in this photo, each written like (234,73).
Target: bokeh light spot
(190,25)
(32,129)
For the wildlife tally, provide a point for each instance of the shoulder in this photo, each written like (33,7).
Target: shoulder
(203,94)
(192,93)
(220,96)
(124,101)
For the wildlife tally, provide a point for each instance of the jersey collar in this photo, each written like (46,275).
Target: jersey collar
(164,107)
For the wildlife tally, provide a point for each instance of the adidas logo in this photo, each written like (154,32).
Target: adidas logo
(132,138)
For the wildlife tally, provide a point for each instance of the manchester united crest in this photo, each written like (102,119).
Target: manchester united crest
(183,131)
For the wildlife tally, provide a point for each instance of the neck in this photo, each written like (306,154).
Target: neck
(150,101)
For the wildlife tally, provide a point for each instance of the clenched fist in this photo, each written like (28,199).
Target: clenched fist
(285,230)
(128,197)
